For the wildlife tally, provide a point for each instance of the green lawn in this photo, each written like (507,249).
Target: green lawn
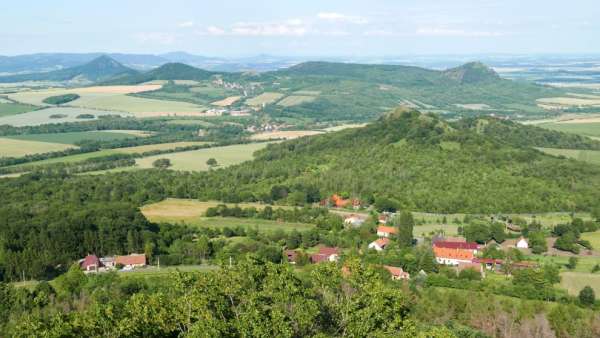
(196,160)
(17,148)
(584,265)
(74,137)
(593,237)
(71,158)
(248,223)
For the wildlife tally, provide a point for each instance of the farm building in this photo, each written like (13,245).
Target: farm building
(397,273)
(379,244)
(454,253)
(326,254)
(131,261)
(385,231)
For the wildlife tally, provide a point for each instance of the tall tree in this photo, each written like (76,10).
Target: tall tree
(405,224)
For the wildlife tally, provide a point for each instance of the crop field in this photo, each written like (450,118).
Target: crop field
(587,129)
(182,210)
(549,219)
(192,212)
(111,98)
(196,160)
(42,116)
(8,109)
(227,101)
(571,101)
(160,146)
(573,282)
(74,137)
(295,100)
(264,98)
(191,122)
(590,156)
(69,158)
(17,148)
(284,134)
(345,126)
(308,92)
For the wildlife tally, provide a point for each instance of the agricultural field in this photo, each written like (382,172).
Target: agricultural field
(570,101)
(590,156)
(345,126)
(426,229)
(182,210)
(195,160)
(111,98)
(7,108)
(43,116)
(294,100)
(284,134)
(192,212)
(264,98)
(573,282)
(593,238)
(591,129)
(227,101)
(18,148)
(191,122)
(159,146)
(74,137)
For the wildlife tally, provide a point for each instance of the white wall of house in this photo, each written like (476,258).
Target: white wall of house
(375,246)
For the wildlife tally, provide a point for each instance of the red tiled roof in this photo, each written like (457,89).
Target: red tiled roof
(133,259)
(90,260)
(397,272)
(456,245)
(390,230)
(318,258)
(325,250)
(383,242)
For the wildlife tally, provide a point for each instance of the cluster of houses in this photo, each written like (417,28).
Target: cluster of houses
(336,201)
(93,264)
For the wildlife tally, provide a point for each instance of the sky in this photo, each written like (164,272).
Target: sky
(301,27)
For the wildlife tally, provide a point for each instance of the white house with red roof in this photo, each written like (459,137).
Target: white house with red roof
(397,273)
(90,263)
(386,231)
(326,254)
(379,244)
(131,261)
(454,253)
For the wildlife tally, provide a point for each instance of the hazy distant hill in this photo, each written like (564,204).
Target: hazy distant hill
(423,163)
(99,69)
(169,71)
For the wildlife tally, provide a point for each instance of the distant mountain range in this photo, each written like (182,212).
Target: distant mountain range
(44,62)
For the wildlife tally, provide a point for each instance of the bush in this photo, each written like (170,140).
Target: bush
(162,163)
(61,99)
(587,296)
(469,274)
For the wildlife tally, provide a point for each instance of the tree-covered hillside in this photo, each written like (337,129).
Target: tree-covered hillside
(421,163)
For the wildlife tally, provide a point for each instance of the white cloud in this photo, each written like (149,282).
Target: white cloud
(339,17)
(186,24)
(455,32)
(269,29)
(214,30)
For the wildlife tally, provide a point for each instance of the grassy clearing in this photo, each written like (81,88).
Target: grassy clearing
(285,134)
(249,223)
(36,97)
(264,98)
(593,237)
(295,100)
(426,229)
(196,160)
(71,158)
(570,101)
(585,263)
(186,210)
(308,92)
(549,219)
(586,129)
(345,126)
(227,101)
(8,109)
(590,156)
(17,148)
(573,282)
(160,146)
(74,137)
(153,271)
(191,122)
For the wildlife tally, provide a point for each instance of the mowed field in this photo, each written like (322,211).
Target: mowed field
(294,100)
(590,156)
(8,109)
(587,129)
(74,137)
(111,98)
(195,160)
(107,152)
(573,282)
(264,98)
(227,101)
(17,148)
(284,134)
(192,212)
(43,116)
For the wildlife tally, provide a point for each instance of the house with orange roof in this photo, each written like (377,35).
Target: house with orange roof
(386,231)
(326,254)
(397,273)
(454,253)
(339,202)
(379,244)
(131,261)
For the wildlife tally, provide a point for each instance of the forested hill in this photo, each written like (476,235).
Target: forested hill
(99,69)
(417,161)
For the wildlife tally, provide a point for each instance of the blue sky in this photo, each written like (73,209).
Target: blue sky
(302,27)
